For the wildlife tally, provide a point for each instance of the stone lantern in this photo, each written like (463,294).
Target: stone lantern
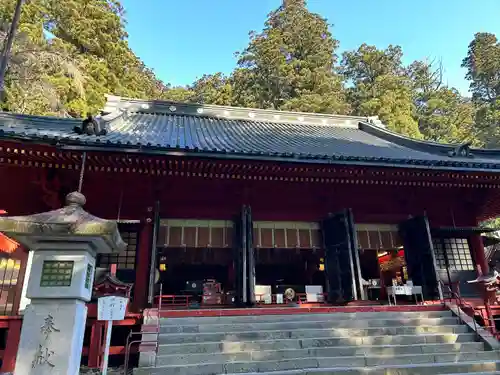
(65,243)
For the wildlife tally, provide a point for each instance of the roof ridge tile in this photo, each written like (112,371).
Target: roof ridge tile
(116,105)
(361,141)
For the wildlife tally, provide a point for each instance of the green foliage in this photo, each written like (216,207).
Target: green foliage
(487,124)
(447,117)
(493,223)
(88,58)
(443,115)
(483,71)
(178,94)
(368,63)
(390,97)
(483,68)
(291,64)
(379,86)
(212,89)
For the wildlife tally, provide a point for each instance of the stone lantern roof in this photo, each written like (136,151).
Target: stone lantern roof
(71,221)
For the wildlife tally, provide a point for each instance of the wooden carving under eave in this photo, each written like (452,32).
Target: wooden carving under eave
(109,285)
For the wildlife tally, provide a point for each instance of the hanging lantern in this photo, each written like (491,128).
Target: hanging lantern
(321,264)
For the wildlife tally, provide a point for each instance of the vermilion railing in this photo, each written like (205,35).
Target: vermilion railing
(173,300)
(484,313)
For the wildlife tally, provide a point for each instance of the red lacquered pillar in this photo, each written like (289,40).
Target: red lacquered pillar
(96,344)
(12,343)
(477,249)
(143,257)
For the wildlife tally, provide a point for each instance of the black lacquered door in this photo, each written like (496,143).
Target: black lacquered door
(239,258)
(419,255)
(338,237)
(250,256)
(244,258)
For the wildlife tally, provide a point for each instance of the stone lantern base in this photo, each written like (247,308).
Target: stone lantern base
(51,338)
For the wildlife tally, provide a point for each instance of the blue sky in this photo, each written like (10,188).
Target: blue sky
(183,39)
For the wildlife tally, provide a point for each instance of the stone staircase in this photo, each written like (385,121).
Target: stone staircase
(426,342)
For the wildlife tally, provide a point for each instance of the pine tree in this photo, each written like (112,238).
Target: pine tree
(290,65)
(88,57)
(443,115)
(483,72)
(379,86)
(212,89)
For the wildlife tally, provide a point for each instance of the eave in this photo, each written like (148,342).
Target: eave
(22,155)
(328,160)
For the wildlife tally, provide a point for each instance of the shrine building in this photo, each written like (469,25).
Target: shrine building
(224,206)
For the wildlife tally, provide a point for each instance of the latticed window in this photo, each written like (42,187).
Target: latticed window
(9,275)
(126,259)
(453,252)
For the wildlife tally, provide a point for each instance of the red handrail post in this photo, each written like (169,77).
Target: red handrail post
(491,320)
(96,344)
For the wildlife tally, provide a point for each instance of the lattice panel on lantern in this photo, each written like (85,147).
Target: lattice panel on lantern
(286,235)
(56,273)
(179,233)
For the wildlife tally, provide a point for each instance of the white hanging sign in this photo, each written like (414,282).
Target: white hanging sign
(111,308)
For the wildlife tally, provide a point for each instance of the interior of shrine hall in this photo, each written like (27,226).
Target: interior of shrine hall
(289,258)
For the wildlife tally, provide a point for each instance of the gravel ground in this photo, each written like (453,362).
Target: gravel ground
(87,371)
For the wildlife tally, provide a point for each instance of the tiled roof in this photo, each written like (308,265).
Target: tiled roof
(163,127)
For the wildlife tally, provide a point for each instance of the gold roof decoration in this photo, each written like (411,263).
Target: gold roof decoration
(70,221)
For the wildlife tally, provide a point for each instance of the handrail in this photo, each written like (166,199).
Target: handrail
(459,302)
(158,325)
(128,343)
(174,299)
(491,327)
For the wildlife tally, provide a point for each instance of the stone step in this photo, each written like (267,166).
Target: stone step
(462,368)
(301,324)
(341,333)
(253,341)
(294,349)
(351,352)
(200,320)
(403,364)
